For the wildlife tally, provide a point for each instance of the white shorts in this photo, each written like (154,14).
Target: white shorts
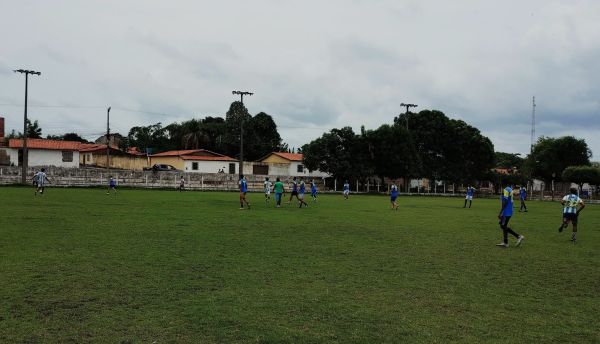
(470,198)
(267,192)
(300,195)
(346,192)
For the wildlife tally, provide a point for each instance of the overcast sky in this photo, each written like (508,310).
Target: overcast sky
(313,65)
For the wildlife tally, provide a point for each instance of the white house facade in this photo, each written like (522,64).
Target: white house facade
(43,152)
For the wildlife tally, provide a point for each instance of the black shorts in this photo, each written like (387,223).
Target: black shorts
(570,217)
(504,221)
(294,193)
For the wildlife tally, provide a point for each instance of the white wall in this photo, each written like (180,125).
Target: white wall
(293,171)
(43,157)
(209,166)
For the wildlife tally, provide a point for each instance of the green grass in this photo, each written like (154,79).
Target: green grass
(77,265)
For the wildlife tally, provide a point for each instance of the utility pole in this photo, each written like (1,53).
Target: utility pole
(532,127)
(242,94)
(408,106)
(25,155)
(108,139)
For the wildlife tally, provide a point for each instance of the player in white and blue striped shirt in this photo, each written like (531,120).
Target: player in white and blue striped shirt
(572,206)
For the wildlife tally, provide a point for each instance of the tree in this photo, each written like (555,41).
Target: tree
(581,174)
(340,153)
(33,130)
(151,136)
(551,156)
(234,117)
(508,160)
(392,151)
(262,135)
(68,137)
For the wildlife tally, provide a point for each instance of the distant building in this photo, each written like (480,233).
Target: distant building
(196,160)
(94,155)
(42,152)
(284,164)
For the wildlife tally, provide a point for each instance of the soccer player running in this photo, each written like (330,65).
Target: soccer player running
(267,187)
(522,198)
(394,196)
(572,206)
(278,188)
(346,189)
(301,191)
(469,197)
(504,216)
(313,190)
(112,185)
(243,190)
(40,179)
(294,190)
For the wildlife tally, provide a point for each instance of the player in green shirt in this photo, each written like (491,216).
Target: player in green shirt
(279,189)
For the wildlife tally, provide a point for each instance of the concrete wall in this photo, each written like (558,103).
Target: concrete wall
(83,177)
(174,161)
(123,162)
(209,166)
(43,157)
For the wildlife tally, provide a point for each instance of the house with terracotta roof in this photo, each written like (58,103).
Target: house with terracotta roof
(94,155)
(284,164)
(196,160)
(42,152)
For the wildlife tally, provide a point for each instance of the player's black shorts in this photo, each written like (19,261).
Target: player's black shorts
(570,217)
(504,221)
(294,193)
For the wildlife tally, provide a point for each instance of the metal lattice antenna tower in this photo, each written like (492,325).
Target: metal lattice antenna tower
(532,127)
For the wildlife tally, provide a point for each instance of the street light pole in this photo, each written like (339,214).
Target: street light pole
(108,139)
(241,167)
(25,155)
(408,106)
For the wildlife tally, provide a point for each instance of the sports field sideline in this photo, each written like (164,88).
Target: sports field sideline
(77,265)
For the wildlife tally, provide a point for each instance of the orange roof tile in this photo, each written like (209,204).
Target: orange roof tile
(45,144)
(207,158)
(289,156)
(178,152)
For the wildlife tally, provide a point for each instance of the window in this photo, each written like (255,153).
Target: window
(300,168)
(195,166)
(232,168)
(67,156)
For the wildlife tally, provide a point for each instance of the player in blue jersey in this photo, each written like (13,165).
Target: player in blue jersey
(112,185)
(469,196)
(504,216)
(394,196)
(346,189)
(313,190)
(40,179)
(294,190)
(572,206)
(301,191)
(243,189)
(522,198)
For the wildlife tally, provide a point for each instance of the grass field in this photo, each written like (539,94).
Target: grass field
(147,266)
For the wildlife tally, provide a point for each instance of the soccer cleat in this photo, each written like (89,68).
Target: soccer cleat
(560,229)
(520,239)
(503,245)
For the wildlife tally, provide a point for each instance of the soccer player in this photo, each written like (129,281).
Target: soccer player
(469,197)
(394,196)
(346,189)
(522,198)
(267,185)
(40,179)
(112,185)
(301,191)
(572,206)
(506,213)
(243,189)
(313,190)
(294,190)
(278,189)
(181,184)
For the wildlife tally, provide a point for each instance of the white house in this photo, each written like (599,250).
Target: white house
(42,152)
(196,160)
(284,164)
